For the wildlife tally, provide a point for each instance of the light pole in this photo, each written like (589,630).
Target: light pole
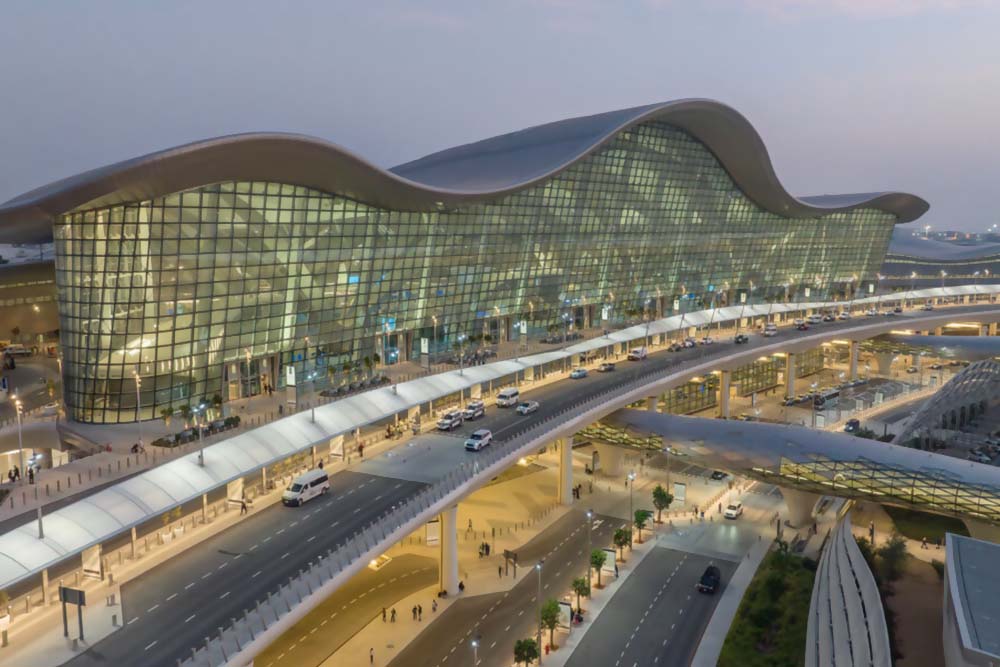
(496,309)
(201,444)
(631,512)
(944,274)
(538,568)
(878,292)
(138,415)
(246,350)
(565,319)
(913,280)
(646,339)
(743,307)
(435,320)
(19,409)
(461,353)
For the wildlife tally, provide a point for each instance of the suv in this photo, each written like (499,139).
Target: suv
(852,425)
(450,421)
(844,315)
(479,439)
(733,510)
(527,407)
(709,582)
(474,410)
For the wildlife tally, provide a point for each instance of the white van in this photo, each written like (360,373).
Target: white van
(306,487)
(815,318)
(637,354)
(508,398)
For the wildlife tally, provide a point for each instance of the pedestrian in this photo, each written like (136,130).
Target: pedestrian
(434,605)
(392,615)
(17,474)
(10,475)
(371,656)
(720,508)
(420,612)
(414,612)
(470,525)
(281,409)
(243,506)
(923,543)
(499,571)
(383,614)
(361,450)
(321,464)
(31,475)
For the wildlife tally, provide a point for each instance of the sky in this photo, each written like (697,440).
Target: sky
(848,95)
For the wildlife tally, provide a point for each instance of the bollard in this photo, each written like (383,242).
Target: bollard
(100,472)
(114,620)
(79,478)
(3,639)
(58,486)
(76,644)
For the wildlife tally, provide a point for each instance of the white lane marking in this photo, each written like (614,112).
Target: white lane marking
(206,575)
(133,620)
(224,595)
(154,607)
(190,618)
(151,645)
(171,597)
(285,555)
(311,538)
(189,586)
(254,575)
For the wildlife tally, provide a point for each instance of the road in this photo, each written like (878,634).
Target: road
(501,618)
(342,615)
(171,608)
(193,614)
(656,617)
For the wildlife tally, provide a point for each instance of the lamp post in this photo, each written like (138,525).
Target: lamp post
(631,511)
(461,353)
(435,320)
(590,546)
(565,319)
(648,319)
(538,568)
(496,309)
(246,350)
(19,409)
(743,307)
(475,651)
(944,274)
(138,415)
(913,280)
(878,291)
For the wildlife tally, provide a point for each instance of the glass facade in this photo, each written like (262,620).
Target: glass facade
(185,288)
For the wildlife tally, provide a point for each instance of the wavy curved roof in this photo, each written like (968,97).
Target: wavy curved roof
(478,172)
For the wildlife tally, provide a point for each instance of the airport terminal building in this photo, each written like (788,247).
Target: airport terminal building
(213,267)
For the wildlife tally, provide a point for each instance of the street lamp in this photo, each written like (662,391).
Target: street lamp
(496,309)
(246,350)
(435,320)
(565,319)
(944,274)
(19,409)
(631,512)
(461,353)
(743,307)
(138,415)
(590,546)
(647,304)
(475,651)
(538,568)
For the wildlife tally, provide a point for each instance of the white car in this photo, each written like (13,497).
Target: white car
(474,410)
(450,421)
(578,372)
(871,312)
(770,330)
(814,319)
(637,354)
(479,439)
(798,320)
(707,340)
(733,511)
(527,407)
(844,315)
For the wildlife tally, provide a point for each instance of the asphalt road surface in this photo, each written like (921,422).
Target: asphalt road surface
(501,618)
(656,617)
(342,615)
(173,607)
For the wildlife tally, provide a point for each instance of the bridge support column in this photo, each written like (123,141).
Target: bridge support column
(45,587)
(939,331)
(800,506)
(651,402)
(992,330)
(724,381)
(884,362)
(566,471)
(448,570)
(853,359)
(790,374)
(609,459)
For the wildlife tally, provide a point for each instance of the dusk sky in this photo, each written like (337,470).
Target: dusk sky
(849,95)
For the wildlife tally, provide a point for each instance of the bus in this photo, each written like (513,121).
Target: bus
(826,399)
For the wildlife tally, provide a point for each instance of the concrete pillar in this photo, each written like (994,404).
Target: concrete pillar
(611,458)
(790,374)
(204,507)
(939,331)
(476,391)
(992,329)
(884,362)
(529,374)
(855,348)
(312,454)
(800,506)
(566,471)
(724,382)
(965,299)
(133,542)
(45,587)
(692,332)
(651,402)
(263,478)
(448,570)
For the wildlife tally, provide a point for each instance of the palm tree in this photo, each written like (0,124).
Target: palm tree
(166,414)
(581,586)
(186,413)
(597,559)
(661,501)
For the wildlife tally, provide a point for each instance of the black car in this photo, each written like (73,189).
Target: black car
(741,338)
(852,425)
(718,475)
(709,582)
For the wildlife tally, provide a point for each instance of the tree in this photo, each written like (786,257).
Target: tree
(166,414)
(186,413)
(621,540)
(892,556)
(662,500)
(376,358)
(368,365)
(550,619)
(16,331)
(217,404)
(581,586)
(640,519)
(526,651)
(597,559)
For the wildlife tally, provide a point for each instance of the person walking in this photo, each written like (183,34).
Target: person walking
(392,615)
(371,656)
(31,475)
(499,571)
(420,612)
(414,612)
(434,605)
(383,614)
(243,506)
(923,542)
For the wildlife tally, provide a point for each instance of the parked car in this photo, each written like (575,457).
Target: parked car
(606,367)
(527,407)
(733,510)
(829,317)
(852,425)
(675,347)
(741,338)
(479,439)
(770,330)
(450,421)
(718,475)
(689,342)
(578,373)
(815,318)
(935,367)
(897,309)
(637,354)
(707,340)
(927,306)
(912,369)
(508,397)
(474,410)
(871,312)
(709,582)
(844,315)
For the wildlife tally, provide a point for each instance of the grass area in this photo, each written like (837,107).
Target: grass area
(916,525)
(770,626)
